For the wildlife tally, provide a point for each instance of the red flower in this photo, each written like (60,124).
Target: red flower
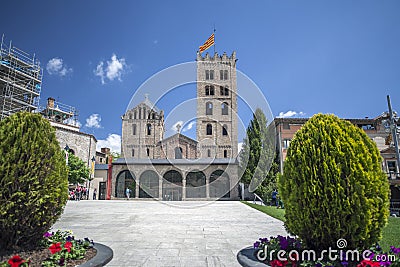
(367,262)
(15,261)
(56,247)
(278,263)
(68,245)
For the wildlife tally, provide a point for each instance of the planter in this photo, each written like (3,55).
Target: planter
(103,256)
(247,258)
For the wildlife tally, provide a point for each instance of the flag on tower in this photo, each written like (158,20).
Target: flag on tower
(207,44)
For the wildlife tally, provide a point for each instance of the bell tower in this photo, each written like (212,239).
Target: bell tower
(217,106)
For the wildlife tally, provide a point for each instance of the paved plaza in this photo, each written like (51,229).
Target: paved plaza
(154,233)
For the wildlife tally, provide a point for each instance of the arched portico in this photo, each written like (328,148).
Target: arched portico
(219,184)
(149,184)
(172,186)
(125,179)
(196,185)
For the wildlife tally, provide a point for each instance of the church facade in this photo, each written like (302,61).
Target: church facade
(178,167)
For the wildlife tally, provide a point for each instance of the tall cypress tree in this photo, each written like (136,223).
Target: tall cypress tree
(257,159)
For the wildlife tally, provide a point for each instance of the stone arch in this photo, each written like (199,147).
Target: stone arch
(172,185)
(149,184)
(196,185)
(125,179)
(219,184)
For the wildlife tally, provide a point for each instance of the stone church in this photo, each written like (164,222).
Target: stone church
(178,167)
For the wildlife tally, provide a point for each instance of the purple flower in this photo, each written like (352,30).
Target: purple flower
(69,238)
(395,250)
(283,242)
(264,240)
(318,265)
(47,234)
(256,244)
(344,263)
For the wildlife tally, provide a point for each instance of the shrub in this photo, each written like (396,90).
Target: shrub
(333,185)
(33,180)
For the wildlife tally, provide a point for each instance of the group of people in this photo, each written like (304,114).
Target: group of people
(80,193)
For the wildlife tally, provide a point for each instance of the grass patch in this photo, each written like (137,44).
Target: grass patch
(270,210)
(390,234)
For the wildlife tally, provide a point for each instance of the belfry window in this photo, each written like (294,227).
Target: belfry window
(209,129)
(209,108)
(149,129)
(224,108)
(225,130)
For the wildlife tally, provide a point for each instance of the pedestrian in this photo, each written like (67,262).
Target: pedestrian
(94,193)
(128,193)
(273,198)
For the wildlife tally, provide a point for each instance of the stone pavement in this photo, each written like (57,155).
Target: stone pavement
(154,233)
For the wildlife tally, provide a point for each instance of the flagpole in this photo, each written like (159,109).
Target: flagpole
(214,39)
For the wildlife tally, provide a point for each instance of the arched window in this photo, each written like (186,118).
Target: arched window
(153,116)
(178,152)
(148,152)
(134,129)
(209,153)
(224,129)
(135,115)
(130,116)
(226,90)
(225,153)
(209,129)
(144,113)
(207,90)
(212,91)
(209,108)
(224,108)
(140,113)
(148,129)
(133,152)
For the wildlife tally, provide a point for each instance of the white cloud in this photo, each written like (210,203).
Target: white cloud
(93,121)
(175,126)
(290,113)
(114,69)
(113,141)
(56,66)
(189,126)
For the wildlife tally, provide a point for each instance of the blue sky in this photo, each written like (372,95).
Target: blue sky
(340,57)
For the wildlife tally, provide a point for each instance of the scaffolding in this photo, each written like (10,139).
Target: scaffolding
(20,80)
(60,113)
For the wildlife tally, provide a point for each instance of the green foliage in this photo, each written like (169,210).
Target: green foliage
(259,163)
(33,179)
(78,171)
(333,185)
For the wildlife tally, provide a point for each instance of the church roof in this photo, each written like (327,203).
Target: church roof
(203,161)
(179,136)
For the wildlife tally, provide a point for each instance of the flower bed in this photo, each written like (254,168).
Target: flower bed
(56,249)
(283,251)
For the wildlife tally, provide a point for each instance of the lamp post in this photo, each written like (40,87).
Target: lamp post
(66,149)
(91,175)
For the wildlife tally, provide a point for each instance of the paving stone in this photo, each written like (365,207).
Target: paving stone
(152,233)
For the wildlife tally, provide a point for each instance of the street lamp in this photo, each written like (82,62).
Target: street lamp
(66,149)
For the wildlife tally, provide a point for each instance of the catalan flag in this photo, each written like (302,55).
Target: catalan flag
(207,44)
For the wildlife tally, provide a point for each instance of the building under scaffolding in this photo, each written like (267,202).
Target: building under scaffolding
(20,80)
(60,113)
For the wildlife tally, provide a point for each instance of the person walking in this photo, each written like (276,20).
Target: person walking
(273,198)
(128,193)
(94,193)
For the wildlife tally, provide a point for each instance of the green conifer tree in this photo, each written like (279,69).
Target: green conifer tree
(33,179)
(333,185)
(257,164)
